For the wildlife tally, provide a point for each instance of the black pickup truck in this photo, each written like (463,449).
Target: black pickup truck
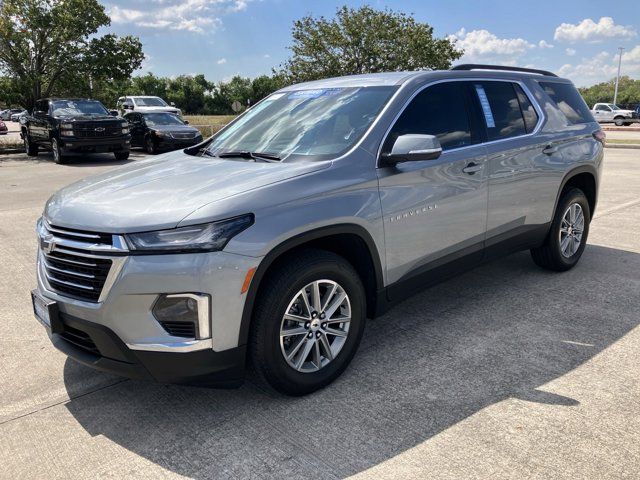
(75,126)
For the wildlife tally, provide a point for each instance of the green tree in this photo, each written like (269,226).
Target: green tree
(628,92)
(364,40)
(46,46)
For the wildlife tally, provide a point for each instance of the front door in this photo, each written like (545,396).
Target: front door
(435,211)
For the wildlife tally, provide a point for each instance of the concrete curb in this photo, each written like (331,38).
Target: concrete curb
(620,129)
(623,145)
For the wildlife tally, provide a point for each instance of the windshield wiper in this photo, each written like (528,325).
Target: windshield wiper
(250,155)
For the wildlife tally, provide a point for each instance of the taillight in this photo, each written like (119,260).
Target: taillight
(600,136)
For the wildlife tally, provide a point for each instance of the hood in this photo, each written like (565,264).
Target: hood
(83,118)
(160,192)
(175,128)
(157,109)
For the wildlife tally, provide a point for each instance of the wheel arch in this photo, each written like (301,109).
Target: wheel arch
(351,241)
(583,177)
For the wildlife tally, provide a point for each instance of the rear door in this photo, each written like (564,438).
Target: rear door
(516,160)
(435,211)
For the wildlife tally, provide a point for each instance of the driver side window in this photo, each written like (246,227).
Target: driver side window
(438,110)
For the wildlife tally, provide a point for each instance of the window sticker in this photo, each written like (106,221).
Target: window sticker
(486,108)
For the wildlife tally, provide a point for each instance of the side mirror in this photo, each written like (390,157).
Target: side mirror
(186,122)
(113,113)
(412,148)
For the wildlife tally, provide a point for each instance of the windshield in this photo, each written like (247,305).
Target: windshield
(150,102)
(614,107)
(70,108)
(309,124)
(153,119)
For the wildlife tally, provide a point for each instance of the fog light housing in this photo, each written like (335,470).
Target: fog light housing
(184,314)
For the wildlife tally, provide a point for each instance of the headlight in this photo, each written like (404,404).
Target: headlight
(125,124)
(125,130)
(67,126)
(194,238)
(66,133)
(159,134)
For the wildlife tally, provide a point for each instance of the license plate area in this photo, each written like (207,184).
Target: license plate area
(46,311)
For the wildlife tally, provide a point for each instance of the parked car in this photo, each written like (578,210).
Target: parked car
(75,125)
(22,118)
(6,114)
(145,104)
(3,128)
(611,113)
(158,131)
(15,116)
(320,206)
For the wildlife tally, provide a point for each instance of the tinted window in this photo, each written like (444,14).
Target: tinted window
(528,112)
(438,110)
(569,101)
(603,108)
(501,109)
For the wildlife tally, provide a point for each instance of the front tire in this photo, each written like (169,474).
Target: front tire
(150,146)
(58,155)
(307,323)
(30,147)
(567,237)
(618,121)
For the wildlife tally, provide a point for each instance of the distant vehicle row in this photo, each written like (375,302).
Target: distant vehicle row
(11,114)
(68,126)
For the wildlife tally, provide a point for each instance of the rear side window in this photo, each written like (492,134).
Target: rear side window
(528,112)
(569,101)
(501,108)
(439,110)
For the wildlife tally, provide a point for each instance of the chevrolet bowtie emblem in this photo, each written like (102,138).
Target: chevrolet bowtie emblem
(48,243)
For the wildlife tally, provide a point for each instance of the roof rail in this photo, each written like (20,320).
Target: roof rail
(476,66)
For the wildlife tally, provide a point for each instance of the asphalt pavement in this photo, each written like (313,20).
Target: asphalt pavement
(507,371)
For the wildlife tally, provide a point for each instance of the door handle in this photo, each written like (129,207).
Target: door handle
(472,168)
(550,149)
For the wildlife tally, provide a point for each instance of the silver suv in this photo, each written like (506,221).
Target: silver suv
(271,242)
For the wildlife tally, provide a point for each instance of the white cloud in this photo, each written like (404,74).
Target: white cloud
(544,44)
(482,45)
(589,31)
(602,67)
(222,61)
(195,16)
(266,55)
(570,51)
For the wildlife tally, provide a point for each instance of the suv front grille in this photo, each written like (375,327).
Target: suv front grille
(97,129)
(76,275)
(76,263)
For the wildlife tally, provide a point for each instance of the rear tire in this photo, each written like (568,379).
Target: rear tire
(58,155)
(121,155)
(300,363)
(30,147)
(567,237)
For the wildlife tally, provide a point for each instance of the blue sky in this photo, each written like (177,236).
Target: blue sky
(221,38)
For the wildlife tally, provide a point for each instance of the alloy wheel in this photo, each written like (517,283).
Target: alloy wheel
(315,326)
(571,230)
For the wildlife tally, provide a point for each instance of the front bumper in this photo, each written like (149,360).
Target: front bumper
(98,347)
(96,145)
(120,334)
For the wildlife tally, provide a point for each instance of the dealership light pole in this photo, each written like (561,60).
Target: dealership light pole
(615,93)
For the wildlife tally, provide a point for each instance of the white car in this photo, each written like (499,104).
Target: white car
(611,113)
(145,104)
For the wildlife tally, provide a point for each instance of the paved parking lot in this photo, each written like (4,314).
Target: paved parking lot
(505,372)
